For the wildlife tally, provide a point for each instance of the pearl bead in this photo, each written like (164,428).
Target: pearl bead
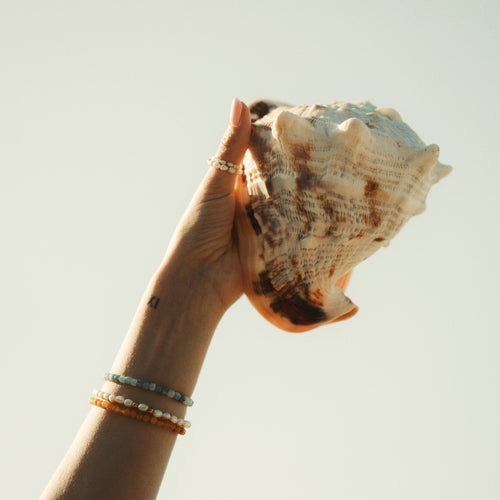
(106,401)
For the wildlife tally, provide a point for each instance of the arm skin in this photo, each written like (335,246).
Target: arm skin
(113,457)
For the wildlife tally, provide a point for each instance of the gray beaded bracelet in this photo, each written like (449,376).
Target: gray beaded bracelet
(149,386)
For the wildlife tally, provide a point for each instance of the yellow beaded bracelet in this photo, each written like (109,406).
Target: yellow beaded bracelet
(132,413)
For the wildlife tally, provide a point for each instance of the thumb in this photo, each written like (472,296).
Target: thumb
(231,149)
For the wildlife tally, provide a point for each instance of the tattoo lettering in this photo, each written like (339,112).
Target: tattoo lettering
(153,302)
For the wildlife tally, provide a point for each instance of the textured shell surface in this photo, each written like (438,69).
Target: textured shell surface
(324,187)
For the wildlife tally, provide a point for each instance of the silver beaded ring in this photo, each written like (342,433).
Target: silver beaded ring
(141,407)
(225,166)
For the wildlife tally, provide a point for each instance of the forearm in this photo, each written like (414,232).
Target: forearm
(117,457)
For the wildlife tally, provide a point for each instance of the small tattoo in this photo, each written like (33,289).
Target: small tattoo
(153,302)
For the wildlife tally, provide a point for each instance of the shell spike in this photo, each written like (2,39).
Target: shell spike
(295,134)
(390,113)
(292,128)
(355,131)
(425,159)
(439,171)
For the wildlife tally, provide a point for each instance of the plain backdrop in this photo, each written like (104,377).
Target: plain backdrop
(108,112)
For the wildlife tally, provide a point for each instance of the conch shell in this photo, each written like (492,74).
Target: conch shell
(324,188)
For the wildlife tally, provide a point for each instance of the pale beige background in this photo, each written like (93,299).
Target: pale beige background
(108,111)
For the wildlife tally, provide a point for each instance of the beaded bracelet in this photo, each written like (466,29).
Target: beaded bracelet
(225,166)
(141,407)
(131,413)
(149,386)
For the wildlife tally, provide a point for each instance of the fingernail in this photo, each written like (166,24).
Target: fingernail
(236,109)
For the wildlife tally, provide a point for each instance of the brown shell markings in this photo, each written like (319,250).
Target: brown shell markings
(324,188)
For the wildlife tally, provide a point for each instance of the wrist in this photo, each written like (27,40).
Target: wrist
(171,330)
(187,290)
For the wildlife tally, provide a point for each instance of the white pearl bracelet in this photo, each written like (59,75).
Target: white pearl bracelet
(225,166)
(141,407)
